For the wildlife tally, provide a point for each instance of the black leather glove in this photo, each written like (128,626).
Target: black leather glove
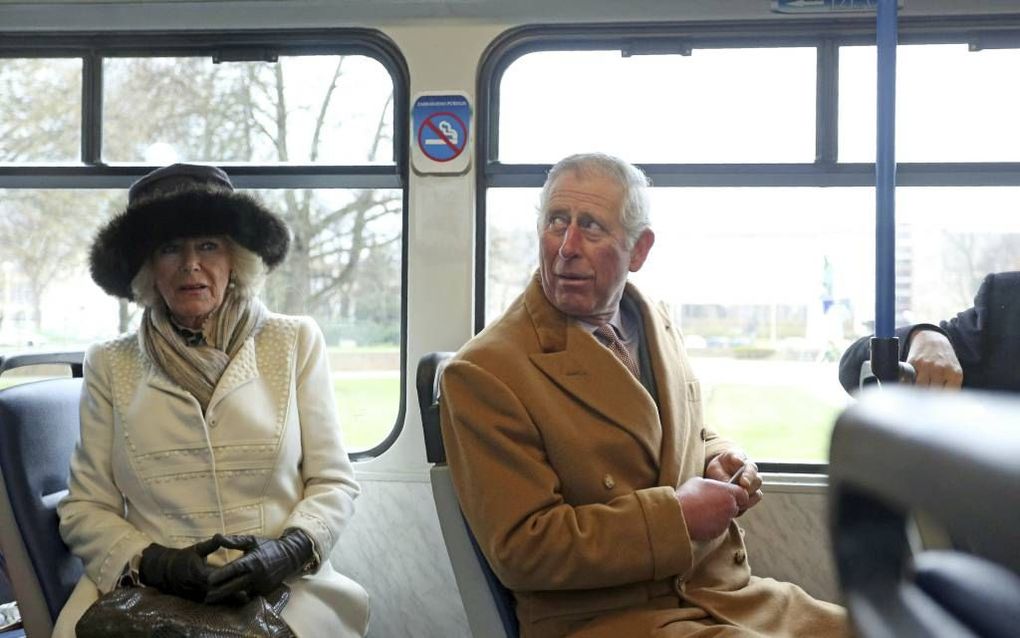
(181,572)
(264,566)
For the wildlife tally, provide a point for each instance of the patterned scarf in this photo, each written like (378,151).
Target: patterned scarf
(198,368)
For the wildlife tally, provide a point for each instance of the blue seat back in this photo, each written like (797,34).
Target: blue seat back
(38,433)
(487,615)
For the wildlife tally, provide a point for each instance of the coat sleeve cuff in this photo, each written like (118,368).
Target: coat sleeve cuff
(118,559)
(905,341)
(318,531)
(667,532)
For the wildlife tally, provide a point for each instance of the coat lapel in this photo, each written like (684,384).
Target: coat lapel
(156,378)
(577,363)
(671,386)
(241,369)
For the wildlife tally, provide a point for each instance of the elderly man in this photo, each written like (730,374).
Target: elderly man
(978,348)
(574,434)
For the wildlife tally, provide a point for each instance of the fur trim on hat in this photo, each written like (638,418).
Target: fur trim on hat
(122,246)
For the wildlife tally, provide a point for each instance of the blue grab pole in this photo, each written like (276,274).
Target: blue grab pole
(885,172)
(884,346)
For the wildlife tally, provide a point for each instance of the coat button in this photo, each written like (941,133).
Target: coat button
(704,434)
(609,481)
(739,557)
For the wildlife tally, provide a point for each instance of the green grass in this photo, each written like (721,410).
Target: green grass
(781,423)
(368,409)
(383,347)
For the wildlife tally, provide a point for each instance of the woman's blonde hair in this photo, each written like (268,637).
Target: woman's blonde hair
(247,273)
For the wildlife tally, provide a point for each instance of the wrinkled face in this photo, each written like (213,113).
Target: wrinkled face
(192,275)
(583,247)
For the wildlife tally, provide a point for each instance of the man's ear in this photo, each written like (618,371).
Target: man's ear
(639,252)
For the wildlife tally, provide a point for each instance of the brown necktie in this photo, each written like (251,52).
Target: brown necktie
(608,336)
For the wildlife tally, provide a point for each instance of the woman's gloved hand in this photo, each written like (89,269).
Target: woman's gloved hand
(181,572)
(264,566)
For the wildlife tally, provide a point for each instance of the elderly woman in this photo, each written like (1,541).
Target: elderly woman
(213,428)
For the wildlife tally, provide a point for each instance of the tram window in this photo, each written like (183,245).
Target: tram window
(308,109)
(313,133)
(344,270)
(952,104)
(512,254)
(767,291)
(762,198)
(715,105)
(35,127)
(948,239)
(774,291)
(47,300)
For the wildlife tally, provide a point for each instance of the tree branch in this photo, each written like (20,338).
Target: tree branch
(323,109)
(281,114)
(379,128)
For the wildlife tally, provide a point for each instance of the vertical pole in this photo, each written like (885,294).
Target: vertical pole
(884,347)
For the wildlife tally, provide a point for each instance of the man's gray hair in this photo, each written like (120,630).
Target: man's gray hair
(630,178)
(248,269)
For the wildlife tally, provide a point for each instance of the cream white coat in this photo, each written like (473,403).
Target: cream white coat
(266,455)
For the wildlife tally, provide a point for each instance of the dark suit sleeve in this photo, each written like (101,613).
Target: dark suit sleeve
(969,330)
(860,351)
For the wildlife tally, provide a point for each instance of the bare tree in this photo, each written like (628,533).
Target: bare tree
(243,112)
(42,233)
(236,112)
(330,242)
(33,125)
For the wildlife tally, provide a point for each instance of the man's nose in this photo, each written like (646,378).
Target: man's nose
(571,242)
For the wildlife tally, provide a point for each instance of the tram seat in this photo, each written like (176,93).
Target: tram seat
(488,604)
(38,432)
(951,459)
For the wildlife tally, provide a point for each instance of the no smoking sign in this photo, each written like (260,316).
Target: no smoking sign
(441,126)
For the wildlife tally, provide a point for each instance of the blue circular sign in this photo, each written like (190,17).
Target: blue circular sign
(442,136)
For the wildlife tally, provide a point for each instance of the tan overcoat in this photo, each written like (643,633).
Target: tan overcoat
(265,455)
(566,470)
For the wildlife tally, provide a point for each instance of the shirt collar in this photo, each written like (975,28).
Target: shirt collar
(616,321)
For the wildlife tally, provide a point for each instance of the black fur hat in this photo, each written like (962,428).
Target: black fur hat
(182,200)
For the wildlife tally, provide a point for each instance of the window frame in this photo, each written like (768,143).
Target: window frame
(90,172)
(982,32)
